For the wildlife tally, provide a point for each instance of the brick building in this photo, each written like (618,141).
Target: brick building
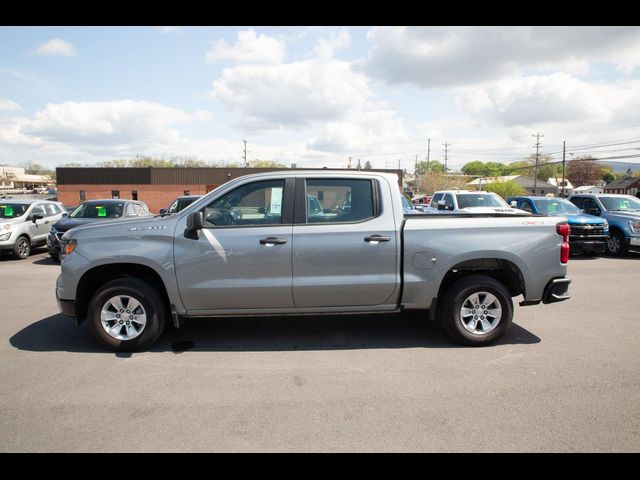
(626,186)
(157,187)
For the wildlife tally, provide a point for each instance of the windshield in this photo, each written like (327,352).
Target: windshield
(621,204)
(12,210)
(480,200)
(180,204)
(555,206)
(98,210)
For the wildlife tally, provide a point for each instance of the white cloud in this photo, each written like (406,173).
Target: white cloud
(454,56)
(249,48)
(202,115)
(553,99)
(56,47)
(326,46)
(296,94)
(9,105)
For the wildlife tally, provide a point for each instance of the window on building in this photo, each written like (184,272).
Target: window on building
(115,193)
(83,195)
(134,194)
(187,192)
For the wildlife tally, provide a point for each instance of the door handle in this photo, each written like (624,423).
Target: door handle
(375,239)
(271,241)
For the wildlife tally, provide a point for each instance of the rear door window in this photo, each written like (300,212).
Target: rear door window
(331,200)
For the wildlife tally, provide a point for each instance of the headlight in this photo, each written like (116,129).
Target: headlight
(6,227)
(67,247)
(5,236)
(635,226)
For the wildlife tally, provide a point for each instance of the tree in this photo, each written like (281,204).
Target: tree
(31,168)
(494,169)
(476,167)
(584,171)
(506,189)
(266,164)
(434,181)
(367,165)
(607,174)
(434,166)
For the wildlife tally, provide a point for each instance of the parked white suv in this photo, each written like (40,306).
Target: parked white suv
(465,201)
(25,224)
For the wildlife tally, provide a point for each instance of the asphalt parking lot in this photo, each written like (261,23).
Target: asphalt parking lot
(565,379)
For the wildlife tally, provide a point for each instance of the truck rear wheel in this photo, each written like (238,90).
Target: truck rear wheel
(126,314)
(476,310)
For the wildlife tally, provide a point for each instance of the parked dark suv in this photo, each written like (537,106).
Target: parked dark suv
(93,211)
(180,203)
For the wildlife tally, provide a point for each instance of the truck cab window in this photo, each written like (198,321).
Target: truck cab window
(253,204)
(339,200)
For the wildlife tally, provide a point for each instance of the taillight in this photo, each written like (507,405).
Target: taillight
(563,229)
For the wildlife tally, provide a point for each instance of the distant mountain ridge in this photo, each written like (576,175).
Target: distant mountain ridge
(621,167)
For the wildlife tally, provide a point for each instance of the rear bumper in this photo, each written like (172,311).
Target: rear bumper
(557,290)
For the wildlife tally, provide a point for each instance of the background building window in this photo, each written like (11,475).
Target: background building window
(115,193)
(83,195)
(134,194)
(187,192)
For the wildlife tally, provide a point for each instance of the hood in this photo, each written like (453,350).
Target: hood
(492,210)
(67,223)
(130,224)
(12,221)
(623,216)
(582,218)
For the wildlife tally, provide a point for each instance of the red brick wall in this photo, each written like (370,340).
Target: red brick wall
(155,196)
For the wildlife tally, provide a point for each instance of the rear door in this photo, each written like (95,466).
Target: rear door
(345,252)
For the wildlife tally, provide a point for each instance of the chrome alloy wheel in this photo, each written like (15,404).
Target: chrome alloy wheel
(123,317)
(480,313)
(613,244)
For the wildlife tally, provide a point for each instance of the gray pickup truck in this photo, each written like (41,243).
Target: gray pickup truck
(251,247)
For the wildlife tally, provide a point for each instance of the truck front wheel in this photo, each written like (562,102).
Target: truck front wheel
(126,314)
(476,310)
(617,244)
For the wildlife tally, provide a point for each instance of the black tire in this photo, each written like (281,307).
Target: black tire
(153,307)
(55,256)
(456,297)
(617,244)
(22,248)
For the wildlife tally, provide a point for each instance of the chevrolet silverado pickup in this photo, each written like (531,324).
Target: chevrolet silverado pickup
(252,247)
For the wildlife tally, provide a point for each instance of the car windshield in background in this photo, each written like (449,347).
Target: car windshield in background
(180,204)
(468,200)
(554,206)
(98,210)
(621,204)
(12,210)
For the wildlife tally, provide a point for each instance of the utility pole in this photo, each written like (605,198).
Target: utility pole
(427,172)
(537,145)
(564,151)
(245,154)
(349,166)
(446,151)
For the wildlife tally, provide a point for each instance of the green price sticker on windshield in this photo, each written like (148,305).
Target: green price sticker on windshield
(8,210)
(102,212)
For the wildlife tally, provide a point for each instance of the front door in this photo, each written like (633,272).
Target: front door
(242,257)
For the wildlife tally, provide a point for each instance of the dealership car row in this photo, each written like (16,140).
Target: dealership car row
(600,223)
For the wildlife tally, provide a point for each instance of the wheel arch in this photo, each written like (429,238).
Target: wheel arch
(93,279)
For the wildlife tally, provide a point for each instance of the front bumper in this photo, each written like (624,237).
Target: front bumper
(634,242)
(556,290)
(66,307)
(596,246)
(53,243)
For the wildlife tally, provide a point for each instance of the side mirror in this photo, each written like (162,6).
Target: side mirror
(514,204)
(444,206)
(327,210)
(36,216)
(195,222)
(65,214)
(163,211)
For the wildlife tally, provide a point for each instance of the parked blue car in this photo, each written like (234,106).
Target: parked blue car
(623,214)
(589,233)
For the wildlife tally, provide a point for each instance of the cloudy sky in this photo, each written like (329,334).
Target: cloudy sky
(316,96)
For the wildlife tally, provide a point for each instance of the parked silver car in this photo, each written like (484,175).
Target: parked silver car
(25,224)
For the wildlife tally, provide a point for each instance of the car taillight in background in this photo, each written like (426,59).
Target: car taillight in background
(563,229)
